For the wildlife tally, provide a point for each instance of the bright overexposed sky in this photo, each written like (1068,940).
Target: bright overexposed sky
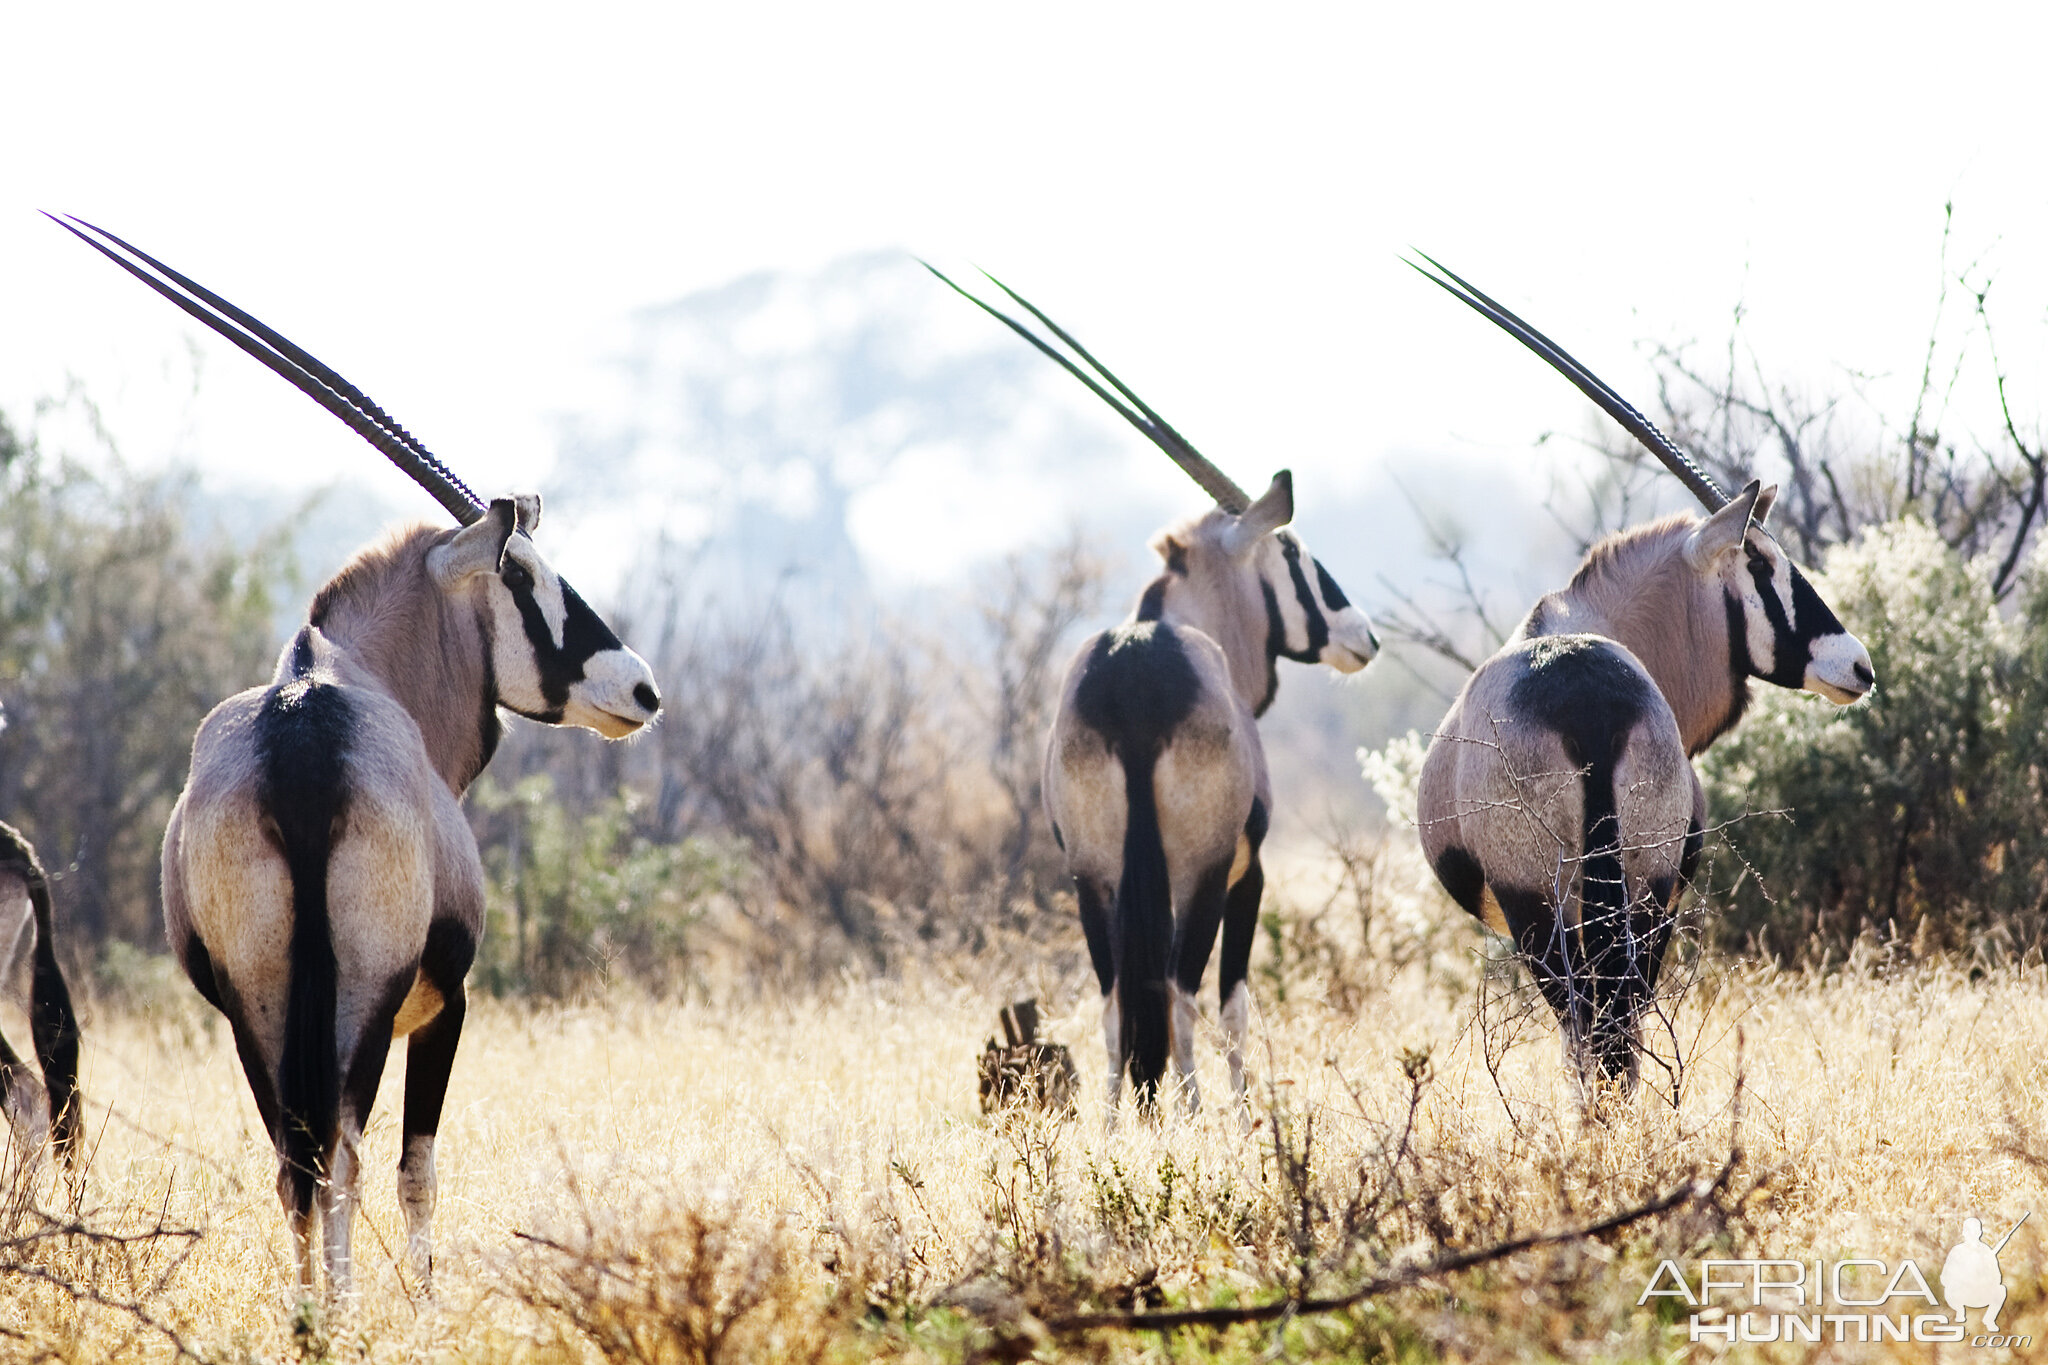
(456,205)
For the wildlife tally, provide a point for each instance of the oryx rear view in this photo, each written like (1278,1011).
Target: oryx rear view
(321,885)
(26,927)
(1557,802)
(1155,779)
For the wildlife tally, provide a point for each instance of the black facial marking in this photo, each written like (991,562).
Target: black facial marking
(1276,634)
(1318,627)
(1176,558)
(584,635)
(1740,669)
(1332,594)
(1791,645)
(490,728)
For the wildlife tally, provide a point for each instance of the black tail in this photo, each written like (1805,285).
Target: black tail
(1607,1021)
(52,1022)
(1143,934)
(303,730)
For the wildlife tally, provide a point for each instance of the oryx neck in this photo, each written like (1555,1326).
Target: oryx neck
(1228,613)
(392,629)
(1636,588)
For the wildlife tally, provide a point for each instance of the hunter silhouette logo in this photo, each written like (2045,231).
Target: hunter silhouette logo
(1859,1299)
(1970,1277)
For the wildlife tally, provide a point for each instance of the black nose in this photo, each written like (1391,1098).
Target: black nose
(649,699)
(1863,673)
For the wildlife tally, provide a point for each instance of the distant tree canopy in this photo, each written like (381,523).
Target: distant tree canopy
(119,630)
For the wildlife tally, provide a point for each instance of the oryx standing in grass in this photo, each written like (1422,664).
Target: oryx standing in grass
(321,886)
(1155,780)
(25,925)
(1557,802)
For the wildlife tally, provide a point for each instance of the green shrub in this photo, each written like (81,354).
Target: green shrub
(576,901)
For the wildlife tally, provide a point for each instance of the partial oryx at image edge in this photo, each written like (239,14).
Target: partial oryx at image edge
(55,1106)
(321,886)
(1558,803)
(1155,779)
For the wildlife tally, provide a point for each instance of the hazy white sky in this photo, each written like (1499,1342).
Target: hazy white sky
(455,206)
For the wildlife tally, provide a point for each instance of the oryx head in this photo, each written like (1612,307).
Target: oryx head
(553,659)
(1256,563)
(1779,629)
(1239,553)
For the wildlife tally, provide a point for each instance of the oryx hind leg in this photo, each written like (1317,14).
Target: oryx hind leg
(1240,931)
(429,1061)
(1094,902)
(432,1020)
(1550,948)
(1194,940)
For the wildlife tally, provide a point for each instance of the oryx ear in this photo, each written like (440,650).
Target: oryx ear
(1764,500)
(1722,533)
(477,548)
(527,505)
(1273,510)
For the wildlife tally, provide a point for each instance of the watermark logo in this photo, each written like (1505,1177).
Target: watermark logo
(1860,1299)
(1970,1277)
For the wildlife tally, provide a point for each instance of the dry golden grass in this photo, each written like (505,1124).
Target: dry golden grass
(811,1180)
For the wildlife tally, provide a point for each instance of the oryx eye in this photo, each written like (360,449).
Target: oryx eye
(516,577)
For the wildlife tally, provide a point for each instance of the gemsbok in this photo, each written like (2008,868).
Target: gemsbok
(1558,802)
(25,926)
(1155,779)
(321,886)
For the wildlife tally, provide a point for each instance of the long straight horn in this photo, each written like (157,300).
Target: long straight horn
(1620,409)
(302,370)
(1214,481)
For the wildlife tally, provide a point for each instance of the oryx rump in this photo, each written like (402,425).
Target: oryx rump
(1557,801)
(321,886)
(1155,780)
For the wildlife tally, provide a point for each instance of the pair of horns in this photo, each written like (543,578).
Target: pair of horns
(302,370)
(1592,385)
(1214,481)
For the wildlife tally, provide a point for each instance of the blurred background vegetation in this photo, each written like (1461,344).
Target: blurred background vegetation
(848,780)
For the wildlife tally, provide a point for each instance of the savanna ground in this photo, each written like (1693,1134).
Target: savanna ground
(810,1178)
